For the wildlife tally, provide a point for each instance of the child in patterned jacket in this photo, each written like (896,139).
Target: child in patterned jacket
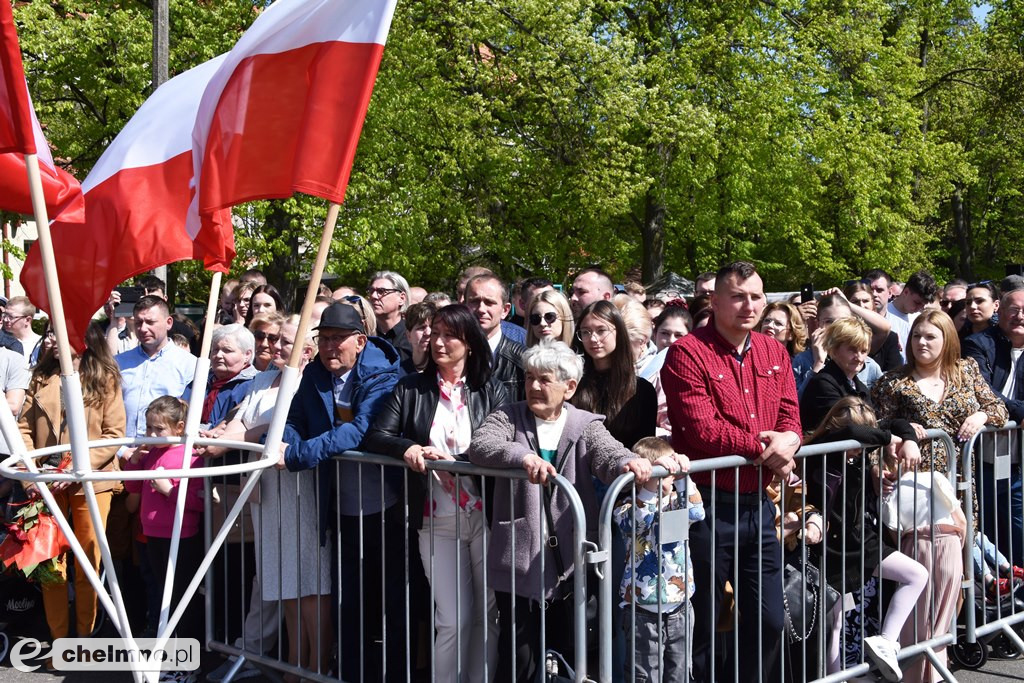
(658,580)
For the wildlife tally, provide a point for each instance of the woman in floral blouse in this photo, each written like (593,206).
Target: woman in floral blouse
(937,389)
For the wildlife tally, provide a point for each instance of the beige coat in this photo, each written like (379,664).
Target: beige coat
(41,419)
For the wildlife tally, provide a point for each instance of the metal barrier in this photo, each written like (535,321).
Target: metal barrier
(803,657)
(992,458)
(390,611)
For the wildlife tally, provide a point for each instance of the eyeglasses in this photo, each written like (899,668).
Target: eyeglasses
(550,317)
(12,318)
(599,334)
(772,322)
(381,291)
(1012,312)
(352,299)
(261,335)
(333,339)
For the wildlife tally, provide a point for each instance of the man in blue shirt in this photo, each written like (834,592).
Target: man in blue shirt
(154,368)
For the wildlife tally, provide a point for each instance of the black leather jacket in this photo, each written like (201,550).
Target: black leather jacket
(507,366)
(405,418)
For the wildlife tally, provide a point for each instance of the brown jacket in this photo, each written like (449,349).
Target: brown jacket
(41,419)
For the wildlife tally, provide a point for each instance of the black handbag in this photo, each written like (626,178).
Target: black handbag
(801,598)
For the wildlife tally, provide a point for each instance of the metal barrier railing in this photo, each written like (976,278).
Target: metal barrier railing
(802,658)
(992,459)
(387,618)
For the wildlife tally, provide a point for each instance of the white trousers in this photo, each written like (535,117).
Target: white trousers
(455,567)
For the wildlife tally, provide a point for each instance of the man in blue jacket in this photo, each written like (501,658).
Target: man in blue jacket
(337,400)
(998,351)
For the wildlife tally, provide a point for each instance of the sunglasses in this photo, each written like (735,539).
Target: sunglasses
(550,317)
(260,335)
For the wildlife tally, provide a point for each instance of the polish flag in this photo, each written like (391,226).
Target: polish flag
(20,134)
(284,112)
(137,197)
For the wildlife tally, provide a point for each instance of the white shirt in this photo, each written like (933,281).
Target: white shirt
(1012,379)
(901,323)
(495,340)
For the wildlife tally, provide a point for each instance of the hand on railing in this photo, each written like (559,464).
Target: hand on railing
(779,449)
(539,469)
(417,455)
(972,425)
(640,468)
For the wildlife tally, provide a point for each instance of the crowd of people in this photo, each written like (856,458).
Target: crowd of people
(588,383)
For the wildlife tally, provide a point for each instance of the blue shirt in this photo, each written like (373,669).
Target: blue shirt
(143,378)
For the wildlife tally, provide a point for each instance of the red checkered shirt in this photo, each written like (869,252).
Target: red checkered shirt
(718,402)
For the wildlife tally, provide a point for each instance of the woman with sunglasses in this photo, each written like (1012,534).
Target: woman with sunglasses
(265,328)
(610,385)
(549,317)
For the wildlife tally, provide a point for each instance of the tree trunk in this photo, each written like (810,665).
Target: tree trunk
(653,233)
(284,270)
(962,232)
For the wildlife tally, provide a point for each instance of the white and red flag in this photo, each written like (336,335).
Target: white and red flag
(137,197)
(284,112)
(20,134)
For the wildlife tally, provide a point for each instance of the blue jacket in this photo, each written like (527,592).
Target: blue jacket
(991,349)
(311,435)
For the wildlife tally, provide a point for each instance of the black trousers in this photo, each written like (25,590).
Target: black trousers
(190,555)
(758,591)
(527,654)
(373,640)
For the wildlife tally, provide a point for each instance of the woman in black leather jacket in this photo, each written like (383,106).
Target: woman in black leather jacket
(432,416)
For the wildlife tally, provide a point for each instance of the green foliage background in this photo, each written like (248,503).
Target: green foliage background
(817,137)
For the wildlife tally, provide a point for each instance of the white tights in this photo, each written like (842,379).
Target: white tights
(912,578)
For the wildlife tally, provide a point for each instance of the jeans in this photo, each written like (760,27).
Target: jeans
(1002,511)
(672,662)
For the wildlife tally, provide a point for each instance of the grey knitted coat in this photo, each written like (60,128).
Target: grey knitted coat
(585,450)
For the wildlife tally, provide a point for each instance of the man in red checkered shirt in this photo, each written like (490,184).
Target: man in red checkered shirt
(730,391)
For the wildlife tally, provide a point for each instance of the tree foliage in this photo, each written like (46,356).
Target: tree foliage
(817,137)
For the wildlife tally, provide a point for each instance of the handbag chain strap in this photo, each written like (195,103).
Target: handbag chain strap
(794,637)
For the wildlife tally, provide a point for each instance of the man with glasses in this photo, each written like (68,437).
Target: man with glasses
(731,392)
(998,350)
(955,290)
(17,321)
(339,396)
(389,295)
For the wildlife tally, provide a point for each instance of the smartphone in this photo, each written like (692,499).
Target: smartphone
(806,293)
(130,294)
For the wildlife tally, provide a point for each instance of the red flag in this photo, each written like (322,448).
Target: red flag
(21,134)
(15,108)
(137,198)
(284,112)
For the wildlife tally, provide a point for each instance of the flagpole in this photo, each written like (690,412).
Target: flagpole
(71,388)
(290,373)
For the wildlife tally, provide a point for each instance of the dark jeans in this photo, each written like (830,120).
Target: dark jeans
(758,591)
(190,555)
(372,595)
(1002,511)
(524,622)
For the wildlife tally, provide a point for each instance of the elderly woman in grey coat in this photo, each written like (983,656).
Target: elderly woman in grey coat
(544,435)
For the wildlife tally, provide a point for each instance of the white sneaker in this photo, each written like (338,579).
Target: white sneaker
(221,672)
(883,653)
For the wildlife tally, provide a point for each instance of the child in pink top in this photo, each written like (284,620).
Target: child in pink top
(165,416)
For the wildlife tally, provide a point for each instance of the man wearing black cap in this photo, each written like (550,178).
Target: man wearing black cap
(340,394)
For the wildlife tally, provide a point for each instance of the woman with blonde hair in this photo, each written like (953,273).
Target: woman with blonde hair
(937,389)
(784,322)
(846,342)
(549,317)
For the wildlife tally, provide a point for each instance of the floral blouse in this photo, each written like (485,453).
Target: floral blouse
(896,394)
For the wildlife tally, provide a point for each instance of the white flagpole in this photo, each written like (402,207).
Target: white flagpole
(71,388)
